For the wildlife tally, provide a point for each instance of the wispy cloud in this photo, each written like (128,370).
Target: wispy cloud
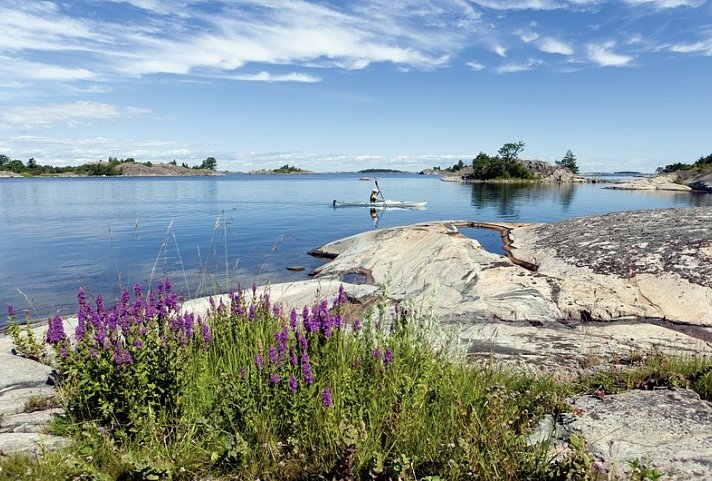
(603,55)
(665,4)
(515,67)
(552,45)
(704,47)
(270,77)
(67,114)
(476,65)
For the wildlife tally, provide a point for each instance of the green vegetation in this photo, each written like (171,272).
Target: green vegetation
(257,392)
(569,162)
(101,168)
(380,171)
(506,165)
(287,169)
(701,164)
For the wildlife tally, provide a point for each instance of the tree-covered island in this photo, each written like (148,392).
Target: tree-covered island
(507,166)
(112,167)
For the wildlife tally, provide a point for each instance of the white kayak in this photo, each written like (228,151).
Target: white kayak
(400,204)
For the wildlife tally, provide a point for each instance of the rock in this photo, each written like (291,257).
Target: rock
(666,429)
(30,443)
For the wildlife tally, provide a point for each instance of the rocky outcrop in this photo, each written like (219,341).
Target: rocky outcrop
(544,172)
(683,181)
(663,429)
(24,416)
(133,169)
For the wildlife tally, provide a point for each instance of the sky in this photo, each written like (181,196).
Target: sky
(349,85)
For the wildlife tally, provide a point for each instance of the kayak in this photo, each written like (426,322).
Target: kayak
(400,204)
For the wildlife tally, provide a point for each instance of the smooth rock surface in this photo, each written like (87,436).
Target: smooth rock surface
(668,429)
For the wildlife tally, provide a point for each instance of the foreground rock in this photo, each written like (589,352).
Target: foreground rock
(24,415)
(665,429)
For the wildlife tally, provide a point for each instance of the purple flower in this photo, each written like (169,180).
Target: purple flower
(274,378)
(326,398)
(254,289)
(188,324)
(276,310)
(388,356)
(252,312)
(272,355)
(259,361)
(10,311)
(138,344)
(55,333)
(293,319)
(137,290)
(341,298)
(205,331)
(292,385)
(307,369)
(282,338)
(356,325)
(377,353)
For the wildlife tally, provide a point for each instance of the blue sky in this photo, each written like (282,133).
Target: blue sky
(347,85)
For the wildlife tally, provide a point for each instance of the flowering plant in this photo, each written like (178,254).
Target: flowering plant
(124,367)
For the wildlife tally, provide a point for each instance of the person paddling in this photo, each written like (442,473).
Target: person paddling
(374,195)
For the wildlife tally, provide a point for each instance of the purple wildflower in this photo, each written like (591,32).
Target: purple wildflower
(274,378)
(293,319)
(254,289)
(326,398)
(259,361)
(292,384)
(55,333)
(138,344)
(137,290)
(307,369)
(243,373)
(252,312)
(388,356)
(341,298)
(10,311)
(272,355)
(282,338)
(377,353)
(276,310)
(205,331)
(356,325)
(293,357)
(188,324)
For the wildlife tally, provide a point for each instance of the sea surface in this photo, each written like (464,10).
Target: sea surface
(209,234)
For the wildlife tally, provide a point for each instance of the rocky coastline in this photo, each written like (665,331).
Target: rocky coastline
(570,296)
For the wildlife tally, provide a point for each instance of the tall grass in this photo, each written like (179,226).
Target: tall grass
(268,394)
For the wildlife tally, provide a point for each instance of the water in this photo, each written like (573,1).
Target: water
(210,233)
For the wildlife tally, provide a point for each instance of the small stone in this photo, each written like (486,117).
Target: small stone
(295,268)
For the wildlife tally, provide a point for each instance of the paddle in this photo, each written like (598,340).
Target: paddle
(380,193)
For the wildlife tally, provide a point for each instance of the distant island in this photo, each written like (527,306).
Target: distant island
(380,171)
(113,167)
(285,169)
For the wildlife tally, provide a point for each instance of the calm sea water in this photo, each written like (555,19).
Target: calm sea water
(210,233)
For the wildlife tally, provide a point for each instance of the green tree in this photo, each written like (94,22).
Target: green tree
(210,163)
(510,152)
(569,161)
(32,163)
(4,159)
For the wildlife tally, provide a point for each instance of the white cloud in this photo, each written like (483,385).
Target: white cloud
(475,65)
(704,47)
(665,4)
(269,77)
(528,36)
(603,55)
(515,67)
(69,114)
(552,45)
(500,50)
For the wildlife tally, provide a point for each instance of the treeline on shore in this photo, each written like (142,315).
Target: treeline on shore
(701,164)
(111,167)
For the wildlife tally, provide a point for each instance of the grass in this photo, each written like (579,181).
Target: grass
(259,393)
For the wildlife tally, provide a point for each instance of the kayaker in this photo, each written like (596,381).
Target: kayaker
(374,195)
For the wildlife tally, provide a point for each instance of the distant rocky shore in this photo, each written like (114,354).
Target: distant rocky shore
(544,172)
(681,181)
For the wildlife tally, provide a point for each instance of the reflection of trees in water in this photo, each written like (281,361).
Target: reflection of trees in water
(505,198)
(699,199)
